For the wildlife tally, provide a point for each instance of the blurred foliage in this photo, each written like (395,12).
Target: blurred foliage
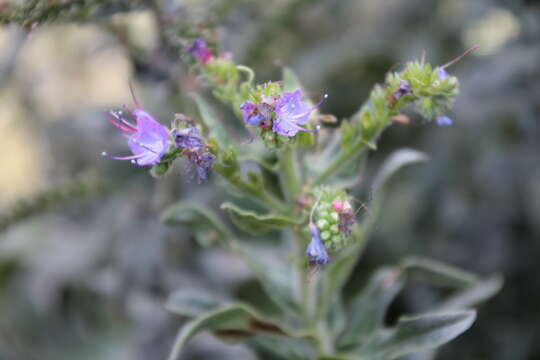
(87,274)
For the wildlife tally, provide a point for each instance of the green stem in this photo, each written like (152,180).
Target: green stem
(265,198)
(343,158)
(288,174)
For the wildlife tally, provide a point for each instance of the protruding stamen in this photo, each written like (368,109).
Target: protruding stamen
(315,107)
(131,157)
(467,52)
(118,125)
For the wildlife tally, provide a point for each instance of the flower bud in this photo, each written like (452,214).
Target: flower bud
(333,217)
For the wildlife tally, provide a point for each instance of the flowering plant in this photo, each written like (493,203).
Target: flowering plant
(297,190)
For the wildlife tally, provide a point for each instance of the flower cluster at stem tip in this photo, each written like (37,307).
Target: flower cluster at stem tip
(284,114)
(150,142)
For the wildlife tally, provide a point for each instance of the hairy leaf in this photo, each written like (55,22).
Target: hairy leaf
(396,161)
(438,273)
(254,223)
(234,323)
(416,334)
(276,347)
(368,308)
(211,121)
(191,303)
(206,225)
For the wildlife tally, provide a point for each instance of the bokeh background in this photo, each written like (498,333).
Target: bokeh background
(85,264)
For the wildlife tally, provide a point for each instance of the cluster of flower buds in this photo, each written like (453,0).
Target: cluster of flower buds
(330,225)
(154,144)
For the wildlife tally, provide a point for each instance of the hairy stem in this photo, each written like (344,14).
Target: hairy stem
(264,197)
(288,174)
(342,159)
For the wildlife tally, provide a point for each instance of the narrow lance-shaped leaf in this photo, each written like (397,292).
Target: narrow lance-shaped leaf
(276,347)
(203,221)
(275,275)
(211,121)
(479,292)
(232,322)
(417,334)
(438,273)
(191,302)
(396,161)
(368,308)
(254,223)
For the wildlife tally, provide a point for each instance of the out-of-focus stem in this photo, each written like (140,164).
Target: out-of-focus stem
(288,174)
(342,159)
(267,199)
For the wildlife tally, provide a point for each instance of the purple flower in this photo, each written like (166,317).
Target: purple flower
(444,121)
(251,114)
(403,89)
(187,138)
(148,140)
(200,51)
(291,112)
(441,73)
(203,161)
(316,252)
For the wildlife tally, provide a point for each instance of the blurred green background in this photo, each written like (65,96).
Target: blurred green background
(85,264)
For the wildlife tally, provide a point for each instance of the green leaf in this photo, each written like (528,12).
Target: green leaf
(395,162)
(473,295)
(254,223)
(191,303)
(277,347)
(202,220)
(368,308)
(211,121)
(277,277)
(334,357)
(234,322)
(417,334)
(437,272)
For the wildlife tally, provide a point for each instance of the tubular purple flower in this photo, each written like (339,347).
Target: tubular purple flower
(316,251)
(200,51)
(444,121)
(291,112)
(148,140)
